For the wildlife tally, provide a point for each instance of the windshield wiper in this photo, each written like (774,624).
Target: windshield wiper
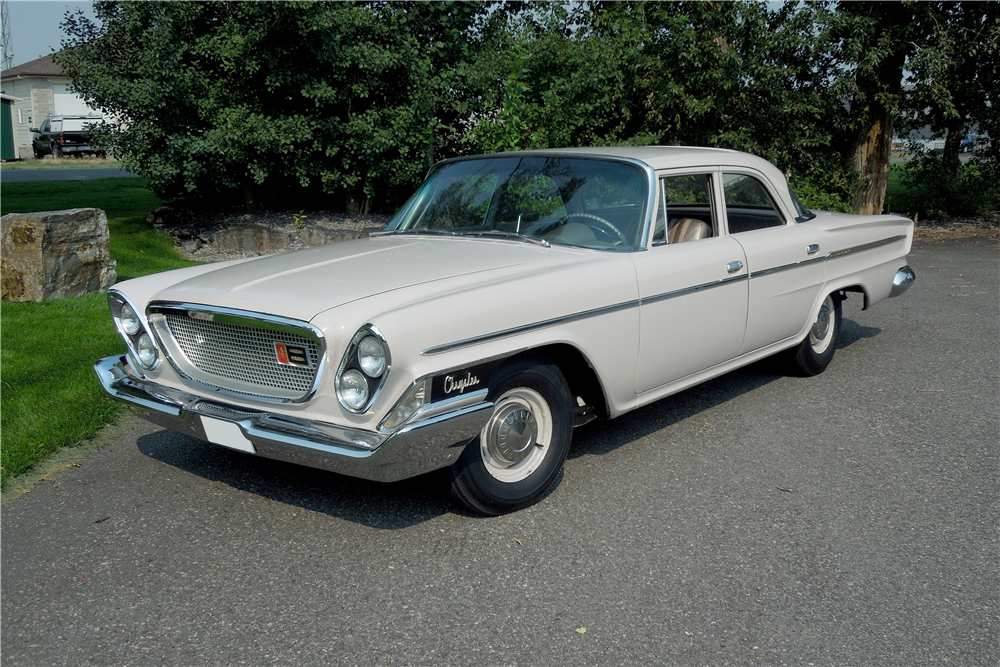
(416,230)
(510,235)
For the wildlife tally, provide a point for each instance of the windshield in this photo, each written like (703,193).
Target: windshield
(568,201)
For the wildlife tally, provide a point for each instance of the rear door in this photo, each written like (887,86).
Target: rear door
(784,258)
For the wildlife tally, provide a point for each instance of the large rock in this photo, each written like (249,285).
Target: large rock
(55,254)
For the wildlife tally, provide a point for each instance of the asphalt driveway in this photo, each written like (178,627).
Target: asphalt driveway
(849,518)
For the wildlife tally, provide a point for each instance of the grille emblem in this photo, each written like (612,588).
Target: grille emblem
(291,355)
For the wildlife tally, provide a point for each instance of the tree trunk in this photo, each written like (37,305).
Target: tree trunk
(250,196)
(953,140)
(871,158)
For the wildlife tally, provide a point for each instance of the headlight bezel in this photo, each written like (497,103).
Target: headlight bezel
(351,361)
(116,302)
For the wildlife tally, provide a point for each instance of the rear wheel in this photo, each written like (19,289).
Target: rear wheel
(814,354)
(520,452)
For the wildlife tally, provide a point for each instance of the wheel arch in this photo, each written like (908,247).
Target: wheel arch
(579,373)
(856,288)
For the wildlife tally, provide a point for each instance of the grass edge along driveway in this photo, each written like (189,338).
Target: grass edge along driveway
(49,397)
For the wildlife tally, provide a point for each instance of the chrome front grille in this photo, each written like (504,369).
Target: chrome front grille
(239,354)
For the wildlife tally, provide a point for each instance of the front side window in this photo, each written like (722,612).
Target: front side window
(685,209)
(583,202)
(748,205)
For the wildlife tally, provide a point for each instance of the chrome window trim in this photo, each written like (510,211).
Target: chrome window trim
(776,201)
(647,219)
(243,318)
(714,177)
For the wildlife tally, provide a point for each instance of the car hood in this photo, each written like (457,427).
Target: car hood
(303,284)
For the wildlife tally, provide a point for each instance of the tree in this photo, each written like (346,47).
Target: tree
(216,96)
(906,64)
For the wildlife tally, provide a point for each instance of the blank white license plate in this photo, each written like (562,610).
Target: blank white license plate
(226,434)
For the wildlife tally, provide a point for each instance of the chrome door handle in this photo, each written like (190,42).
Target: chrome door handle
(812,248)
(733,267)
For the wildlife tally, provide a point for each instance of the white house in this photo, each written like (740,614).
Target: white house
(44,90)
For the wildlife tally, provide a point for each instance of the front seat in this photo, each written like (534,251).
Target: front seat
(688,229)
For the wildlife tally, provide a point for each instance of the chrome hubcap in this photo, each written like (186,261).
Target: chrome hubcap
(822,325)
(516,439)
(819,335)
(512,432)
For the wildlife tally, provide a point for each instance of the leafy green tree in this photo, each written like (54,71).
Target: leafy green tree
(210,97)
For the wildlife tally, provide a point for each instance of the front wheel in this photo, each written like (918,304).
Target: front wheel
(520,452)
(814,354)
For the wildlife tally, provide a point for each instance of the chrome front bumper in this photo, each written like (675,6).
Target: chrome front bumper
(413,449)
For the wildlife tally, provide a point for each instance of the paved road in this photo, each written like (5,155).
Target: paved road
(84,173)
(668,538)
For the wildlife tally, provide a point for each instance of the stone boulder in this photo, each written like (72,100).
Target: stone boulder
(55,255)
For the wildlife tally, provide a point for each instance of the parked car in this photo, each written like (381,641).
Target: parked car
(64,135)
(513,297)
(968,144)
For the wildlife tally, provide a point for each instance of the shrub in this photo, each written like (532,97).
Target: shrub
(941,187)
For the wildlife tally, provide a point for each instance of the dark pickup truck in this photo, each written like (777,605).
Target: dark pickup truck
(64,135)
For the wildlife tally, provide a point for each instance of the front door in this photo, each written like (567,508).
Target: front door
(692,286)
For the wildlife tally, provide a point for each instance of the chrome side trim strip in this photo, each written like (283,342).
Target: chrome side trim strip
(786,267)
(830,255)
(475,340)
(692,290)
(864,246)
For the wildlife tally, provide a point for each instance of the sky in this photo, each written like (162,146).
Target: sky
(34,26)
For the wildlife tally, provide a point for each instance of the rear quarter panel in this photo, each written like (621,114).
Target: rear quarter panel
(863,250)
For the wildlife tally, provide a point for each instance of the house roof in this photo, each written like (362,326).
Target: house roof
(40,67)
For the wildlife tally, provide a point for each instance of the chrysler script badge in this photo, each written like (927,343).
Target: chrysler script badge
(291,355)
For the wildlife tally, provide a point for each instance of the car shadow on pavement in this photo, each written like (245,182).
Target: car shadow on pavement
(412,501)
(601,437)
(374,504)
(851,332)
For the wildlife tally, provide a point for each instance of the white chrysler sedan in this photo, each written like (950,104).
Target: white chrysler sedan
(513,297)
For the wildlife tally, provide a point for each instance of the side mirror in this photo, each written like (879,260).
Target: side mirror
(32,129)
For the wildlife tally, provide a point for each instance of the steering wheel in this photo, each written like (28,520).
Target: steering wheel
(599,224)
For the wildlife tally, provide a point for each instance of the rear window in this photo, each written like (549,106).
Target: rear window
(73,124)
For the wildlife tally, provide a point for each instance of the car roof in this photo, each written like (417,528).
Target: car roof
(662,157)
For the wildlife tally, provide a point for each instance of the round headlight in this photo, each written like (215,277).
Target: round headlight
(371,356)
(146,350)
(129,320)
(353,389)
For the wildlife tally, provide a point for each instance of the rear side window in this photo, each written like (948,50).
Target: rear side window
(748,205)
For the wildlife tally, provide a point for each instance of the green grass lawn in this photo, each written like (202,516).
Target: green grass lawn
(50,397)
